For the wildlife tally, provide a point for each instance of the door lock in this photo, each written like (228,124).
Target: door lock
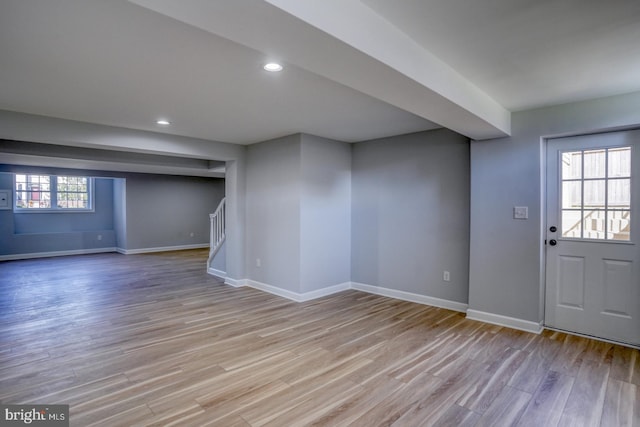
(553,242)
(553,229)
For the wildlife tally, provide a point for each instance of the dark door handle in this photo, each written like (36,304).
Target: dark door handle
(553,242)
(553,229)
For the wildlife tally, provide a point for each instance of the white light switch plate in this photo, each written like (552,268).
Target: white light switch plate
(520,212)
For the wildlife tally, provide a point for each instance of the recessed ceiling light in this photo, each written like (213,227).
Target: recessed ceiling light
(163,122)
(273,67)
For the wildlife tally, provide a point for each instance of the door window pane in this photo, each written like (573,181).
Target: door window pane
(619,162)
(572,195)
(619,225)
(572,165)
(594,164)
(572,224)
(619,193)
(594,224)
(594,193)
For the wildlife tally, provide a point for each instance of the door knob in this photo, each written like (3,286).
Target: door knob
(553,242)
(553,229)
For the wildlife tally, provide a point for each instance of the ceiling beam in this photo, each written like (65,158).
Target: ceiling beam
(347,42)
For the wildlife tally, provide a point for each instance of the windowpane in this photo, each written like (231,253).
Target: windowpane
(72,192)
(572,165)
(32,191)
(620,162)
(619,193)
(572,224)
(594,164)
(594,193)
(619,225)
(572,194)
(594,224)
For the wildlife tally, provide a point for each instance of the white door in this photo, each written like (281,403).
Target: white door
(593,235)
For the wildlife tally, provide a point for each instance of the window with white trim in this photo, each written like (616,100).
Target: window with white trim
(47,193)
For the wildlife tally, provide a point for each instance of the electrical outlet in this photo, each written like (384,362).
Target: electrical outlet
(446,276)
(258,262)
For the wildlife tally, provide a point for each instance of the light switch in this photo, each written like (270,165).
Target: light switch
(520,212)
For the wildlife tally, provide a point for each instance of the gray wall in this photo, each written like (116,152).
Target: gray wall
(163,210)
(120,211)
(23,233)
(506,255)
(298,213)
(325,213)
(410,217)
(273,212)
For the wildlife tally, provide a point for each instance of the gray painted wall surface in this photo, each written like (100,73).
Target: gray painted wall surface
(219,262)
(164,210)
(273,212)
(410,216)
(22,233)
(507,255)
(120,211)
(325,216)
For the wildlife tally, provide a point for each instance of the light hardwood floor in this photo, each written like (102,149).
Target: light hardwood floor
(153,340)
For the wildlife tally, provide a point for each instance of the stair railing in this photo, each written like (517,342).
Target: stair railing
(217,230)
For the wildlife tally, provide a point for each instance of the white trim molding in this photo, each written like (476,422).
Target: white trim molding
(509,322)
(411,297)
(236,283)
(32,255)
(297,296)
(218,273)
(162,249)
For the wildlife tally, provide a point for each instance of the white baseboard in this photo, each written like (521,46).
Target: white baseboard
(32,255)
(162,249)
(411,297)
(509,322)
(308,296)
(495,319)
(284,293)
(236,283)
(218,273)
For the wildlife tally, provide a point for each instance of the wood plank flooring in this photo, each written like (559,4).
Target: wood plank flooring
(153,340)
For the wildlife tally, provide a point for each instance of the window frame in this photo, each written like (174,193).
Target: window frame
(53,190)
(606,179)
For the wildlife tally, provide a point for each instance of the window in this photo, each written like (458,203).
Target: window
(62,193)
(596,194)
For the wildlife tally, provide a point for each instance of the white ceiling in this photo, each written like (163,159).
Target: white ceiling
(354,69)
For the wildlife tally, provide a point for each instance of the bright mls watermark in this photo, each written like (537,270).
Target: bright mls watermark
(34,415)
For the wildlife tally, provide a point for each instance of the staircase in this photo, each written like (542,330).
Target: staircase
(217,230)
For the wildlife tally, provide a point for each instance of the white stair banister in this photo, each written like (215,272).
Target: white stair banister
(217,230)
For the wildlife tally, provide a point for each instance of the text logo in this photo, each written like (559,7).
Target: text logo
(34,415)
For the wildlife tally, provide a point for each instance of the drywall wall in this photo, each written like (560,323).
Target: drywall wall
(38,232)
(410,214)
(120,211)
(507,255)
(169,211)
(273,212)
(325,213)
